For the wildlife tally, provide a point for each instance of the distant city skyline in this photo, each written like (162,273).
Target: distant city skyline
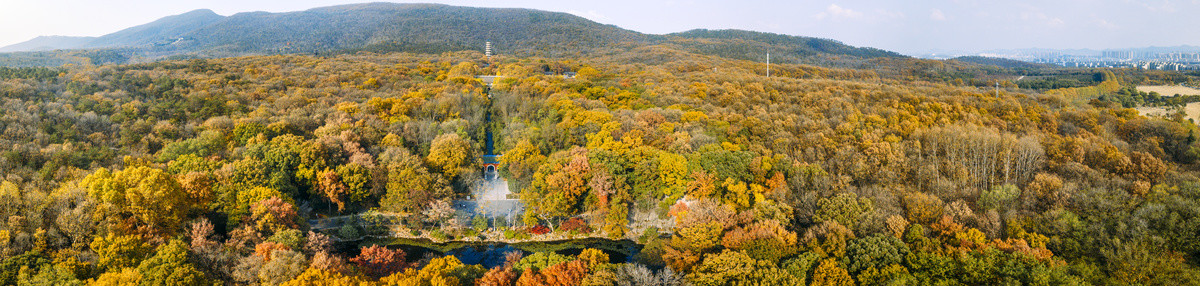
(910,27)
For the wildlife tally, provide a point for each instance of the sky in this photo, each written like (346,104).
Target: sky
(906,26)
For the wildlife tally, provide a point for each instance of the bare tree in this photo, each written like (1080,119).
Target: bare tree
(979,157)
(439,212)
(634,274)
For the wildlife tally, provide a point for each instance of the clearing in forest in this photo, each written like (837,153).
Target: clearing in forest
(1191,111)
(1169,90)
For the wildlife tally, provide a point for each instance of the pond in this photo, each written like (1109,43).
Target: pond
(491,254)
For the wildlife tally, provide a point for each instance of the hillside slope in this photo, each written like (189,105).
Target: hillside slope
(427,28)
(160,32)
(362,26)
(1000,62)
(47,43)
(751,45)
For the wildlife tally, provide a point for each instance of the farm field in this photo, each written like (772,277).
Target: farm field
(1169,90)
(1191,109)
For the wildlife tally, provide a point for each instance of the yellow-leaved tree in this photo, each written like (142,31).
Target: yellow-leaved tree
(450,154)
(151,197)
(445,271)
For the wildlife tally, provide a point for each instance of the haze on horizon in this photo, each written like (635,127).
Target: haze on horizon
(912,28)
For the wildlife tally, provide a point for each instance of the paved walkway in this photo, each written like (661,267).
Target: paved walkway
(491,208)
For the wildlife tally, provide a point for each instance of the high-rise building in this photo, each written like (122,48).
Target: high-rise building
(1117,54)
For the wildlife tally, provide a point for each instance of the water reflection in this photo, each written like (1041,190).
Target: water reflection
(492,254)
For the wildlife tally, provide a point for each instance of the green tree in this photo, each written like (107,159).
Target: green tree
(540,260)
(11,267)
(410,186)
(876,251)
(58,274)
(894,274)
(1000,197)
(845,208)
(357,179)
(479,223)
(287,163)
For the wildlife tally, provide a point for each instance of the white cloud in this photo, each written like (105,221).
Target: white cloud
(1164,6)
(1042,18)
(882,14)
(837,12)
(937,15)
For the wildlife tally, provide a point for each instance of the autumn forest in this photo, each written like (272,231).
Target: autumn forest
(301,169)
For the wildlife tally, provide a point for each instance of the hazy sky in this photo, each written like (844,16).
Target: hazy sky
(907,26)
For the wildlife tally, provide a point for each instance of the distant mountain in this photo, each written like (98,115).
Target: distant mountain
(1153,50)
(395,26)
(48,43)
(160,32)
(426,28)
(1036,53)
(1000,62)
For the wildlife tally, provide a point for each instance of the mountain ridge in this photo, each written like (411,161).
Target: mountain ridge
(47,43)
(167,28)
(425,28)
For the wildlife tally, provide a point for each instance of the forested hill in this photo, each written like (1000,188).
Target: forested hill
(242,171)
(423,28)
(430,27)
(1000,62)
(751,45)
(160,32)
(47,43)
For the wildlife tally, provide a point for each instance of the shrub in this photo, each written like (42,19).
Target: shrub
(500,222)
(541,260)
(439,235)
(479,223)
(539,229)
(576,224)
(294,239)
(348,232)
(516,234)
(650,234)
